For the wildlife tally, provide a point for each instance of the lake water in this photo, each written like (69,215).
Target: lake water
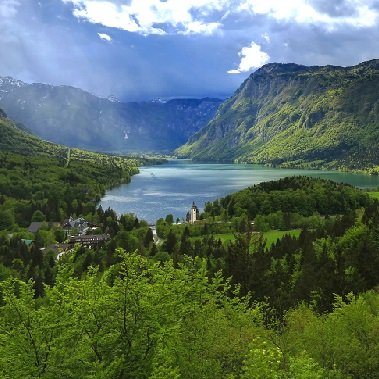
(172,187)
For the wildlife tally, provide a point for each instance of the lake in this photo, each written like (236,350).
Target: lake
(172,187)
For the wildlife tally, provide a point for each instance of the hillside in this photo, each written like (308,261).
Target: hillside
(16,140)
(298,116)
(76,118)
(39,176)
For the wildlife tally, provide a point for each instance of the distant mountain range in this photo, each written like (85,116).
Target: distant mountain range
(283,114)
(14,138)
(297,116)
(76,118)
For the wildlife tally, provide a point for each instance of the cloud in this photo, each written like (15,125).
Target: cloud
(356,13)
(151,16)
(104,37)
(66,49)
(266,37)
(251,57)
(233,71)
(8,8)
(207,16)
(197,27)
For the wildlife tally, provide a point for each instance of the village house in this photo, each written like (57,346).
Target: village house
(79,224)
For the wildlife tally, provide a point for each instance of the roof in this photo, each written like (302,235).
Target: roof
(27,242)
(34,227)
(91,238)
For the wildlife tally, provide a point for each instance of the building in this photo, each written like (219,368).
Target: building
(90,240)
(193,214)
(80,224)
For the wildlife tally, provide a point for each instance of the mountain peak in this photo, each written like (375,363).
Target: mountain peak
(7,80)
(280,68)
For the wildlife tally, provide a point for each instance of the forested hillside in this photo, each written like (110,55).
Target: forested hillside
(48,177)
(46,183)
(286,114)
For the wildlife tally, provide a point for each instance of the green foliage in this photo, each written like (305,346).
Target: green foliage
(39,188)
(38,216)
(374,195)
(346,339)
(262,361)
(6,219)
(126,323)
(284,200)
(332,251)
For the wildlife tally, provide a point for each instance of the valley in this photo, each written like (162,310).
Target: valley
(189,189)
(103,275)
(76,118)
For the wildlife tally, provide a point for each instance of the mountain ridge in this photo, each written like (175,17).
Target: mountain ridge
(288,114)
(76,118)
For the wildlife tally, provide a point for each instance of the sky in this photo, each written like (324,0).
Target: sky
(145,49)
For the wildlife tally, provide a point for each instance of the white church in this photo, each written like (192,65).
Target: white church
(193,214)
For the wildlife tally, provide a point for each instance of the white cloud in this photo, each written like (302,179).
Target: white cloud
(104,37)
(151,16)
(8,8)
(302,12)
(266,37)
(251,57)
(207,16)
(233,71)
(197,27)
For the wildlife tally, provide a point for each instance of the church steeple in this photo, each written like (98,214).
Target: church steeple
(194,213)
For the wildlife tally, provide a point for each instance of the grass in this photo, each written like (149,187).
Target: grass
(273,235)
(226,237)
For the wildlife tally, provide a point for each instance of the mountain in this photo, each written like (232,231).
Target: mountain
(76,118)
(17,141)
(297,115)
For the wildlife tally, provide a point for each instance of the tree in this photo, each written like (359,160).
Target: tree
(126,323)
(171,241)
(149,237)
(6,219)
(169,219)
(38,216)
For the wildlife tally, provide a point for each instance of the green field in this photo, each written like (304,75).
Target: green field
(225,237)
(374,195)
(273,235)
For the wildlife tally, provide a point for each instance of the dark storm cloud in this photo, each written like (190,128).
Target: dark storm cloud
(44,42)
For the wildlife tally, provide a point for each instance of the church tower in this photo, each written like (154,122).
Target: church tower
(194,213)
